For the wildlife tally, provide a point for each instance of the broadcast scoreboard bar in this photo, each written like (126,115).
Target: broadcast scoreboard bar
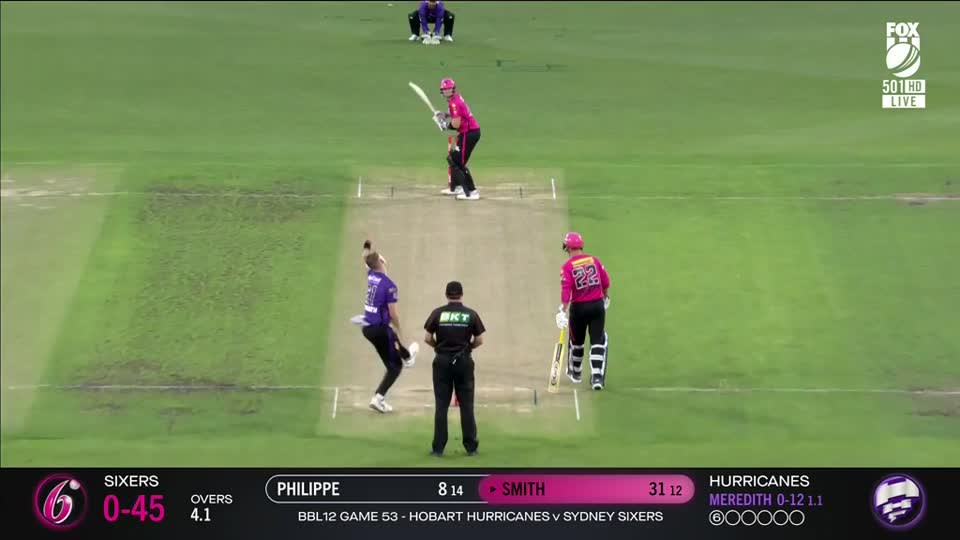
(365,503)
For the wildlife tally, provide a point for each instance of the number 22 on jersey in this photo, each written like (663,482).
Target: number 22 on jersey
(585,275)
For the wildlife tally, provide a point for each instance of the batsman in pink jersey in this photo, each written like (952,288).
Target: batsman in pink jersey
(583,292)
(460,119)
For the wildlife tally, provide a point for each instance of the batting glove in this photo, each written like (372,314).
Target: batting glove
(561,318)
(606,302)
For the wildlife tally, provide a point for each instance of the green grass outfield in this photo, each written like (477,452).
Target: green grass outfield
(659,115)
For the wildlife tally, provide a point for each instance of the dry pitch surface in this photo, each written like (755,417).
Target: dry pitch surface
(505,249)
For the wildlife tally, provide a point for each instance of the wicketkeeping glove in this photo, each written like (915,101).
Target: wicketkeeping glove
(606,302)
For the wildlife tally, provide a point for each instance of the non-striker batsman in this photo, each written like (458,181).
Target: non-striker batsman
(583,292)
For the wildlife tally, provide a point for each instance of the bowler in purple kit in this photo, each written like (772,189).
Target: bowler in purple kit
(381,325)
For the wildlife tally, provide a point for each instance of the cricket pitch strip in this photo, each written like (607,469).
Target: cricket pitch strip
(505,251)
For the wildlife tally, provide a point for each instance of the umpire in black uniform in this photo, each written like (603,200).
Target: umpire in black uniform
(454,331)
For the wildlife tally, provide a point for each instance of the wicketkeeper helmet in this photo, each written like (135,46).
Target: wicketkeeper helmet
(572,240)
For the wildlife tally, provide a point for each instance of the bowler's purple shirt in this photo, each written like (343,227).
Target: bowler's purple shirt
(438,13)
(381,291)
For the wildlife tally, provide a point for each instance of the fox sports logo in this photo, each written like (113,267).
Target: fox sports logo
(60,502)
(903,48)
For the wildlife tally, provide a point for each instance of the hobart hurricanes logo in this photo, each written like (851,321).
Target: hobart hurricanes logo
(899,502)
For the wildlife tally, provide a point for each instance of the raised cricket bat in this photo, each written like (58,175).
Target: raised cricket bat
(553,386)
(423,96)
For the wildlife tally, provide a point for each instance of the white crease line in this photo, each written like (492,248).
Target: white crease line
(553,188)
(42,194)
(359,187)
(363,406)
(492,389)
(576,403)
(402,196)
(644,163)
(236,387)
(336,396)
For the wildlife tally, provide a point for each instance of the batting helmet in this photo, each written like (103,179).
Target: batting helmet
(572,240)
(447,84)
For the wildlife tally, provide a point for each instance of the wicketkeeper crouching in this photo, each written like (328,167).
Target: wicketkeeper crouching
(583,292)
(431,12)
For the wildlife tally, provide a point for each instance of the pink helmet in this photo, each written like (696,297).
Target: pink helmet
(572,240)
(447,84)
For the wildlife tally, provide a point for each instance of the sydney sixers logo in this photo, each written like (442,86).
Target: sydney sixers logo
(60,502)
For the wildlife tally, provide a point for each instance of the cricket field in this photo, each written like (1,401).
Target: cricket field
(186,188)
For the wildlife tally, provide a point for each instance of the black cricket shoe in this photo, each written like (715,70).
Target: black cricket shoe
(597,381)
(471,452)
(434,453)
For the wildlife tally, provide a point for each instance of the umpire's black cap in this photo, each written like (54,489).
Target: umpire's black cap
(454,289)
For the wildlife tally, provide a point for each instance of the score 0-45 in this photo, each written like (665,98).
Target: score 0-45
(144,507)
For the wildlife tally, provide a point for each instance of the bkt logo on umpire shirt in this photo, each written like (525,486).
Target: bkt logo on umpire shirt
(454,317)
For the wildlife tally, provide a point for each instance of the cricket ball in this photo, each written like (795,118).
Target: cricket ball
(903,59)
